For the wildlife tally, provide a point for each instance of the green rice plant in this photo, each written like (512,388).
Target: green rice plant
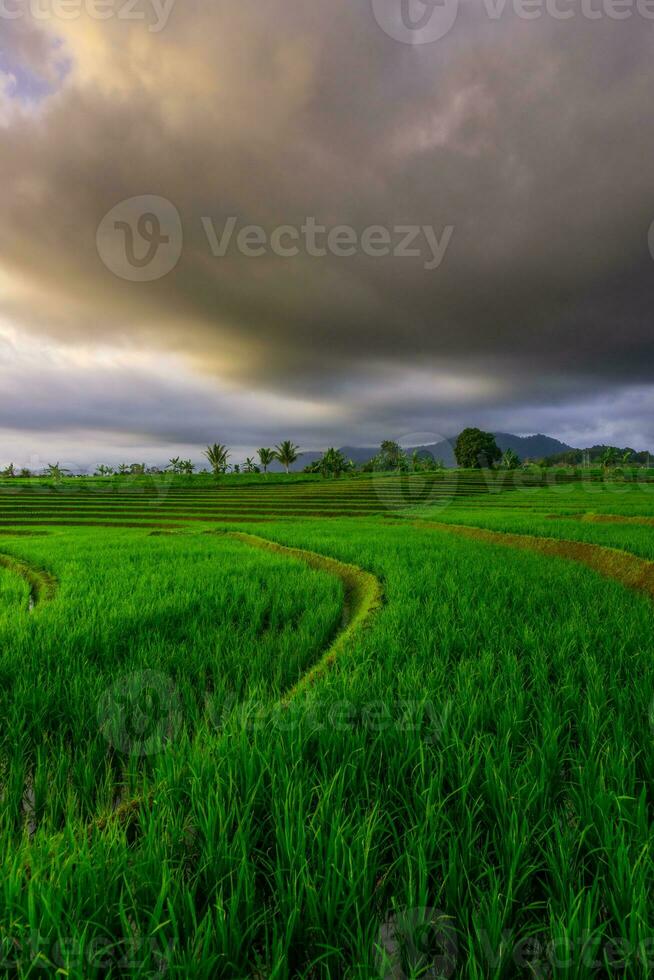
(188,791)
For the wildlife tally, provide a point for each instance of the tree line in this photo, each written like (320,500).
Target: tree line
(473,449)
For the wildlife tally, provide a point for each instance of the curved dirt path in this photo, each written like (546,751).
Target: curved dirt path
(621,566)
(602,519)
(362,596)
(42,584)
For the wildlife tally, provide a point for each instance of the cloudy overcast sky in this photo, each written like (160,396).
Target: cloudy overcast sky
(523,144)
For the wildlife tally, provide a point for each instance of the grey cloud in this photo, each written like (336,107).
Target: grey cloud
(531,139)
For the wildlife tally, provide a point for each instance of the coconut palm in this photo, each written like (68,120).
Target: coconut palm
(266,457)
(123,469)
(249,466)
(334,463)
(104,470)
(510,460)
(609,457)
(186,466)
(287,453)
(10,471)
(217,456)
(55,472)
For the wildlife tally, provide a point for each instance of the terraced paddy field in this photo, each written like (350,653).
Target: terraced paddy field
(160,499)
(383,727)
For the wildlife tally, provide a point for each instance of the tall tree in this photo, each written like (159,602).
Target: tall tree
(218,456)
(510,460)
(334,463)
(475,449)
(266,457)
(55,472)
(287,453)
(391,455)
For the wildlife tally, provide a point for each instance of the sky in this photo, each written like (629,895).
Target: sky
(335,222)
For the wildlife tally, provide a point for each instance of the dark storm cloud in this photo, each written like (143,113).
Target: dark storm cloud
(532,139)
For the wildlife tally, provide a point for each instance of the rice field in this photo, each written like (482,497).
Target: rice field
(173,500)
(384,727)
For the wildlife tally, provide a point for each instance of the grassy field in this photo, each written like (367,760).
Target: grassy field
(374,727)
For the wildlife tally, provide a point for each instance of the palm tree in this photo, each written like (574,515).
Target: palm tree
(173,464)
(249,466)
(104,470)
(55,472)
(334,463)
(10,471)
(609,457)
(217,456)
(266,457)
(186,466)
(287,453)
(123,469)
(510,460)
(626,456)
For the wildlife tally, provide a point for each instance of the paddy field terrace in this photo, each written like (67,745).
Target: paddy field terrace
(298,727)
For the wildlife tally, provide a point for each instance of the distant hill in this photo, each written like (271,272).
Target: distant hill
(527,447)
(530,447)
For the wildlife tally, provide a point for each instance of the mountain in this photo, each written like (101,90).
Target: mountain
(527,447)
(530,447)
